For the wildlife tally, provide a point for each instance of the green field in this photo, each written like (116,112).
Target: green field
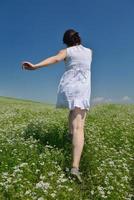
(35,154)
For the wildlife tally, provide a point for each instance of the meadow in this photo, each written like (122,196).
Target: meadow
(35,154)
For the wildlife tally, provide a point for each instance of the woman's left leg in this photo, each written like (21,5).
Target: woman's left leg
(70,118)
(69,121)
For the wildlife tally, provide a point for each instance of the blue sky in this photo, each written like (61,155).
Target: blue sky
(33,30)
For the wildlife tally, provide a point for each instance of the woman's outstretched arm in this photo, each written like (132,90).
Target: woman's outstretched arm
(51,60)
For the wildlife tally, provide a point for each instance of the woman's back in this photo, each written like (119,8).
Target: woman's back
(78,55)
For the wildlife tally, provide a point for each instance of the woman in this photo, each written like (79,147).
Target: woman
(74,89)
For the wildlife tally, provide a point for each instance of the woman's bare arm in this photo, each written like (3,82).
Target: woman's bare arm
(51,60)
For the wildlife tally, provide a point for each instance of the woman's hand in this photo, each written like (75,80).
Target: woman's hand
(28,66)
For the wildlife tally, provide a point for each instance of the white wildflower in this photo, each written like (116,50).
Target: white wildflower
(67,169)
(42,163)
(92,192)
(37,170)
(27,192)
(70,189)
(53,195)
(23,164)
(40,198)
(111,187)
(43,185)
(111,163)
(101,190)
(63,180)
(51,173)
(42,177)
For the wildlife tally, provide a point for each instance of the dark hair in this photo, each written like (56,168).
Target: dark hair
(71,38)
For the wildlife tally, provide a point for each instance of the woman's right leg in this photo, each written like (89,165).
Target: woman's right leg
(77,123)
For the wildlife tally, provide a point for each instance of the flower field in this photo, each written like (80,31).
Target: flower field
(35,154)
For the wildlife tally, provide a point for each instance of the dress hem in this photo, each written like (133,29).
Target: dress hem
(71,104)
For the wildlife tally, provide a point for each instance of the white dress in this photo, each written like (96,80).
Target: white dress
(74,89)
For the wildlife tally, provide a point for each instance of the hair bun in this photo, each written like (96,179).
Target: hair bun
(71,37)
(75,34)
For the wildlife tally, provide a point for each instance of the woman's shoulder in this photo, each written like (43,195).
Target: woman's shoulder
(88,48)
(64,51)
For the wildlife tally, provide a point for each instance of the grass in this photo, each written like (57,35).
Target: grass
(35,154)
